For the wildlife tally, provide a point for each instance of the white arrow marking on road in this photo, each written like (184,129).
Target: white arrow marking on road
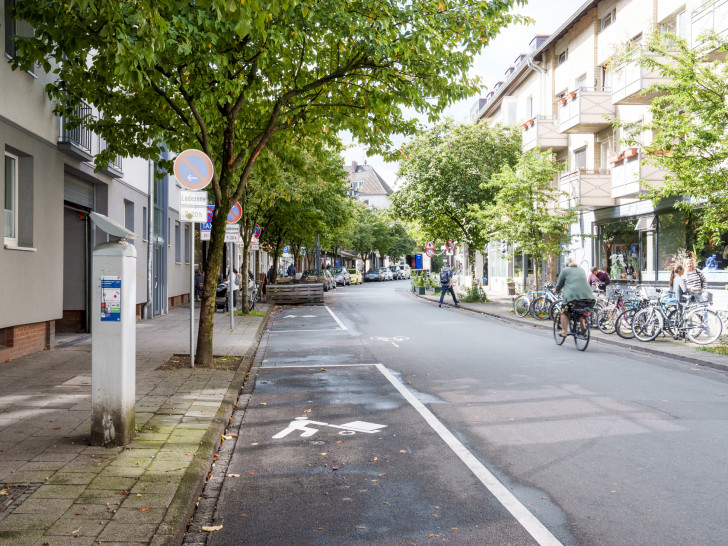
(290,316)
(390,339)
(302,424)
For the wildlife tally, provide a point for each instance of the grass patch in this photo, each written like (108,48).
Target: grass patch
(717,349)
(250,314)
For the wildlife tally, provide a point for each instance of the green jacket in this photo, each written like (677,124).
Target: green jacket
(573,284)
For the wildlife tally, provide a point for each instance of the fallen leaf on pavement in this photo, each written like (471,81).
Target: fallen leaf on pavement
(307,411)
(374,460)
(233,475)
(144,508)
(210,528)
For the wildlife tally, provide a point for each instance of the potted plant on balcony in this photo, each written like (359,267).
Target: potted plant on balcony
(562,101)
(571,95)
(630,152)
(616,157)
(531,122)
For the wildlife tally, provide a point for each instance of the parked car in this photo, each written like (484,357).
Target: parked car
(355,276)
(388,273)
(396,272)
(376,274)
(406,273)
(341,275)
(311,276)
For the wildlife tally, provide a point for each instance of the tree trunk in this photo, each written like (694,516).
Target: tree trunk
(203,355)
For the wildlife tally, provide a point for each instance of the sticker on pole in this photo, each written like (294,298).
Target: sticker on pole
(193,169)
(110,299)
(235,214)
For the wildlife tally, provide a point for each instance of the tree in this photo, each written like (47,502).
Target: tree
(232,78)
(688,124)
(446,171)
(523,211)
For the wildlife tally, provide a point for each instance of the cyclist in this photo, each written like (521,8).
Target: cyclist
(574,286)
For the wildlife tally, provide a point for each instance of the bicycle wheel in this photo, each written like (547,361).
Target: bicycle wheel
(703,326)
(555,309)
(540,308)
(647,324)
(521,305)
(623,323)
(581,329)
(557,331)
(606,319)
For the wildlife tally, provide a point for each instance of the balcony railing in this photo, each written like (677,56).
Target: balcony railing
(114,168)
(585,110)
(542,132)
(77,141)
(585,189)
(631,80)
(711,15)
(630,175)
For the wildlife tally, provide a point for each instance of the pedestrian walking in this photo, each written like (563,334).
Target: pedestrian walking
(271,272)
(446,282)
(291,270)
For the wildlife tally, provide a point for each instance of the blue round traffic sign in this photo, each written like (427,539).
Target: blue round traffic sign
(256,231)
(193,169)
(235,214)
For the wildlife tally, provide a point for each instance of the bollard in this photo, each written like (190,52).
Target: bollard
(113,339)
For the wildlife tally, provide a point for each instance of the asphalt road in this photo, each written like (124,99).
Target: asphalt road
(384,419)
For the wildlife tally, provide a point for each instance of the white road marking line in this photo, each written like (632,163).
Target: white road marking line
(327,365)
(529,522)
(341,324)
(319,330)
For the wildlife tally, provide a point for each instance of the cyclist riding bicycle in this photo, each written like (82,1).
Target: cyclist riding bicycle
(574,287)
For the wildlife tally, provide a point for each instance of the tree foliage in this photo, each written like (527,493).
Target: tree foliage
(447,170)
(686,134)
(232,78)
(525,209)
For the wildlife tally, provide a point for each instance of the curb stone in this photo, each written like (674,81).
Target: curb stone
(190,488)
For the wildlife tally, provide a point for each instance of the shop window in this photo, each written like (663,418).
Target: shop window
(672,238)
(619,247)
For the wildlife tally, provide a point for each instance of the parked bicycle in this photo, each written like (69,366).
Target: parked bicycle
(253,295)
(522,304)
(542,305)
(579,324)
(689,320)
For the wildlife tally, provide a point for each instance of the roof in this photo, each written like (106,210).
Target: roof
(372,183)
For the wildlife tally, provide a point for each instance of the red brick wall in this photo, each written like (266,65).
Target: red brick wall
(27,339)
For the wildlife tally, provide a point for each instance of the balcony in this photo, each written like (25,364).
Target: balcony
(630,82)
(114,168)
(76,142)
(711,15)
(541,132)
(630,176)
(585,189)
(586,110)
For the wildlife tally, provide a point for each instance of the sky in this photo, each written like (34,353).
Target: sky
(490,65)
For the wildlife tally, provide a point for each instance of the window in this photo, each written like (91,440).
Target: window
(529,107)
(580,159)
(11,200)
(187,243)
(675,24)
(512,112)
(608,19)
(169,231)
(562,57)
(129,215)
(14,28)
(580,82)
(145,224)
(606,78)
(177,243)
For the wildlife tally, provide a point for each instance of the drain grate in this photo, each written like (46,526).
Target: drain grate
(13,494)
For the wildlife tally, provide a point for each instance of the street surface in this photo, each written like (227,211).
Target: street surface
(383,419)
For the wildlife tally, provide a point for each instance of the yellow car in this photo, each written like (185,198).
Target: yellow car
(356,277)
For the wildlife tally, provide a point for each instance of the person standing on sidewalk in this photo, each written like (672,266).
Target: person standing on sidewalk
(694,279)
(446,282)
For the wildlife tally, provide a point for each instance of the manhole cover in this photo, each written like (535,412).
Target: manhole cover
(13,494)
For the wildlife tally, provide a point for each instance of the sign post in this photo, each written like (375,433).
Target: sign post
(194,170)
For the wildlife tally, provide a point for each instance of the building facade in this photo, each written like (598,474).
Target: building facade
(565,94)
(50,185)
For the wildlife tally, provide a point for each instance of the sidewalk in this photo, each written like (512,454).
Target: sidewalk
(55,489)
(501,307)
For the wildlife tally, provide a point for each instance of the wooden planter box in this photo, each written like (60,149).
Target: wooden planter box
(285,294)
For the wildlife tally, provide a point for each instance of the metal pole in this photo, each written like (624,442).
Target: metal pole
(231,284)
(192,295)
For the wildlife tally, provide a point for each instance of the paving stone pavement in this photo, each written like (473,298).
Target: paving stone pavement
(56,489)
(501,307)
